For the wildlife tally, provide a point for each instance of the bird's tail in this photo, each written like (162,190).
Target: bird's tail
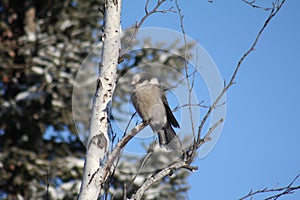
(168,138)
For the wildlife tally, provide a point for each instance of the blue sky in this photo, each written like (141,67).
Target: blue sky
(259,146)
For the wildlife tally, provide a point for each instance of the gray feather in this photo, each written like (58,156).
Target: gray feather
(152,106)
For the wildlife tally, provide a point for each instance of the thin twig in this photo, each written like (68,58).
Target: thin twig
(181,80)
(190,88)
(127,126)
(200,104)
(191,150)
(140,23)
(210,130)
(257,6)
(289,189)
(192,105)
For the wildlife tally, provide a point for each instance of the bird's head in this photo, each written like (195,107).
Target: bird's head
(143,79)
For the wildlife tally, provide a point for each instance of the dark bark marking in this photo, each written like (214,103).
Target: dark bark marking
(100,141)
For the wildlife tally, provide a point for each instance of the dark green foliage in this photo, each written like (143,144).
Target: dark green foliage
(38,62)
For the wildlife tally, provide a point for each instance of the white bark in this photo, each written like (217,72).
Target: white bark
(98,140)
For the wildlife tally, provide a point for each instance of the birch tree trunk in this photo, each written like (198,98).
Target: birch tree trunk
(98,140)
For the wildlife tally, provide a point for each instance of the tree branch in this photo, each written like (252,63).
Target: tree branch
(289,189)
(119,147)
(157,177)
(257,6)
(140,23)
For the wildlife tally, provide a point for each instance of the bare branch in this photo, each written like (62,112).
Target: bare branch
(127,126)
(181,80)
(273,12)
(157,177)
(200,104)
(210,130)
(190,87)
(289,189)
(119,147)
(192,105)
(139,24)
(191,150)
(252,3)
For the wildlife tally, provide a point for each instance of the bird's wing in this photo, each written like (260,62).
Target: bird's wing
(134,101)
(171,118)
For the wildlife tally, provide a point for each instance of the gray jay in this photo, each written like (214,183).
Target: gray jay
(152,106)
